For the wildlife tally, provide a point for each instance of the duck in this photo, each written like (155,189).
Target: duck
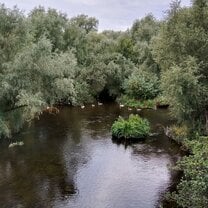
(93,105)
(130,109)
(100,103)
(138,109)
(82,106)
(121,105)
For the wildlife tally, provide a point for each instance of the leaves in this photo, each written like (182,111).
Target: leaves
(142,85)
(193,188)
(133,127)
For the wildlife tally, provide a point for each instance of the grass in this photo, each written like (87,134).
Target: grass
(134,127)
(133,103)
(159,101)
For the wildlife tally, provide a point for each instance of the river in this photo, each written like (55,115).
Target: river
(70,161)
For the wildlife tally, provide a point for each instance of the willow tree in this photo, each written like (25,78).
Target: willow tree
(180,50)
(49,23)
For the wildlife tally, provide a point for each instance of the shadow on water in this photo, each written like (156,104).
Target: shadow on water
(69,160)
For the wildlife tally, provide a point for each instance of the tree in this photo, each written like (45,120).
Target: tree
(181,85)
(180,45)
(89,24)
(35,79)
(48,23)
(142,85)
(143,30)
(13,33)
(125,45)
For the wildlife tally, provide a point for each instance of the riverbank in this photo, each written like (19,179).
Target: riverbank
(192,189)
(158,102)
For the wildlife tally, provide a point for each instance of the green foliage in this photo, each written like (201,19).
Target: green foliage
(181,86)
(192,191)
(142,33)
(180,50)
(125,45)
(133,103)
(144,29)
(13,33)
(36,78)
(89,24)
(37,71)
(142,85)
(178,133)
(48,23)
(134,127)
(106,71)
(161,100)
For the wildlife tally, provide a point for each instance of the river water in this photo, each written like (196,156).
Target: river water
(70,161)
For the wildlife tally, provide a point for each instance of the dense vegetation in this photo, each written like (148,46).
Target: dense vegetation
(134,127)
(193,189)
(48,59)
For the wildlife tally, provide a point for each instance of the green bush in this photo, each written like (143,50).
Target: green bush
(161,101)
(142,85)
(134,127)
(192,191)
(178,133)
(133,103)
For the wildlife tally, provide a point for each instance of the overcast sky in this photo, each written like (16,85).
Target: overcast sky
(112,14)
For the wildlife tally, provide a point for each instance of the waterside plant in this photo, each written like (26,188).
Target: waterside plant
(134,127)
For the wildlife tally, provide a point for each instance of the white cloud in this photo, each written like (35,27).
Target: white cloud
(112,14)
(84,2)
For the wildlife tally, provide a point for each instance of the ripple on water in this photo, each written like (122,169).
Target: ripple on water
(69,160)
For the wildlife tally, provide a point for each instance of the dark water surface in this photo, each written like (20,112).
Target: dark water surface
(70,161)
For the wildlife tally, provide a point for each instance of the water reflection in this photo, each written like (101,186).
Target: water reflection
(69,160)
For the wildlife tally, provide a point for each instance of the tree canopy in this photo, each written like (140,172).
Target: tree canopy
(48,58)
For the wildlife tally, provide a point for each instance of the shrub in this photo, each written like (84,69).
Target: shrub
(133,103)
(134,127)
(142,85)
(161,101)
(179,133)
(192,191)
